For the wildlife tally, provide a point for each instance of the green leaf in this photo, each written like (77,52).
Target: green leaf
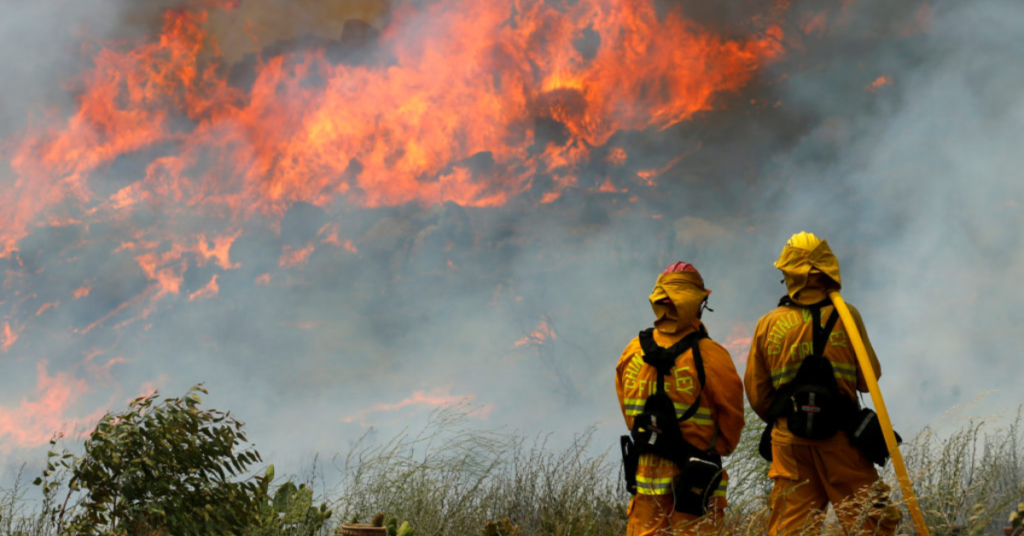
(405,529)
(160,463)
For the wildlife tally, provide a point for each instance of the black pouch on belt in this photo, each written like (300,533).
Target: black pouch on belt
(764,446)
(630,462)
(865,433)
(694,487)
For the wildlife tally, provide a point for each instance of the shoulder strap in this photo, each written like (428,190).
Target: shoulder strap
(664,359)
(698,361)
(822,334)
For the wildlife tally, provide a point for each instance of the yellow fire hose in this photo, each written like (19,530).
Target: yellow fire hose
(883,414)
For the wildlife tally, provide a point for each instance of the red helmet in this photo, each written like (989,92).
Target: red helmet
(679,266)
(679,297)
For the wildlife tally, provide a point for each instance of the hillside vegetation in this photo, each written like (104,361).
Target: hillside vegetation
(171,467)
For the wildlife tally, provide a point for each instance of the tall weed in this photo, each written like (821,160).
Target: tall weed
(450,478)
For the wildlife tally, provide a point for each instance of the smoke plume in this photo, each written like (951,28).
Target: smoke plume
(511,276)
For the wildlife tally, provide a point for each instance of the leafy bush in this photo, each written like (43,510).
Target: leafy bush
(169,468)
(394,529)
(290,511)
(450,479)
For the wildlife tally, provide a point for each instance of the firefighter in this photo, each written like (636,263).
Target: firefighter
(810,473)
(706,401)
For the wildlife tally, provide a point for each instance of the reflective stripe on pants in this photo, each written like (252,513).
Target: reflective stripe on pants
(652,515)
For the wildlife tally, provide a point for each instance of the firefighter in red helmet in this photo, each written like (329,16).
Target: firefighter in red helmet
(682,400)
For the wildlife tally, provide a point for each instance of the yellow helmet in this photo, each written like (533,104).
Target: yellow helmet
(804,240)
(803,255)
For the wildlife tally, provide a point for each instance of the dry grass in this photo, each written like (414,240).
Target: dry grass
(450,479)
(970,478)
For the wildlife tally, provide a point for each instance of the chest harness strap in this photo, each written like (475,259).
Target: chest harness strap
(656,430)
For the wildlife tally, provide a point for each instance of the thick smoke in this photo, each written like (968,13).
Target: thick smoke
(523,309)
(919,188)
(41,33)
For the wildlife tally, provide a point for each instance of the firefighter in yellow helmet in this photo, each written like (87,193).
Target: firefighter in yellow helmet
(682,400)
(814,463)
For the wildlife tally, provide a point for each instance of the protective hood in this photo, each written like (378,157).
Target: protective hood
(800,266)
(686,292)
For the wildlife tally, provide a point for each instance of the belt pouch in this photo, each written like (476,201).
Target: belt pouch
(696,484)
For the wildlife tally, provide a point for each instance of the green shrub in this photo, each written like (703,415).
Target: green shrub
(290,511)
(394,529)
(168,468)
(451,479)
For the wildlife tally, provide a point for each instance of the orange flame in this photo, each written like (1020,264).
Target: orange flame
(292,257)
(210,290)
(33,422)
(617,156)
(539,336)
(473,84)
(46,307)
(738,342)
(608,187)
(10,336)
(168,279)
(438,398)
(879,83)
(219,249)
